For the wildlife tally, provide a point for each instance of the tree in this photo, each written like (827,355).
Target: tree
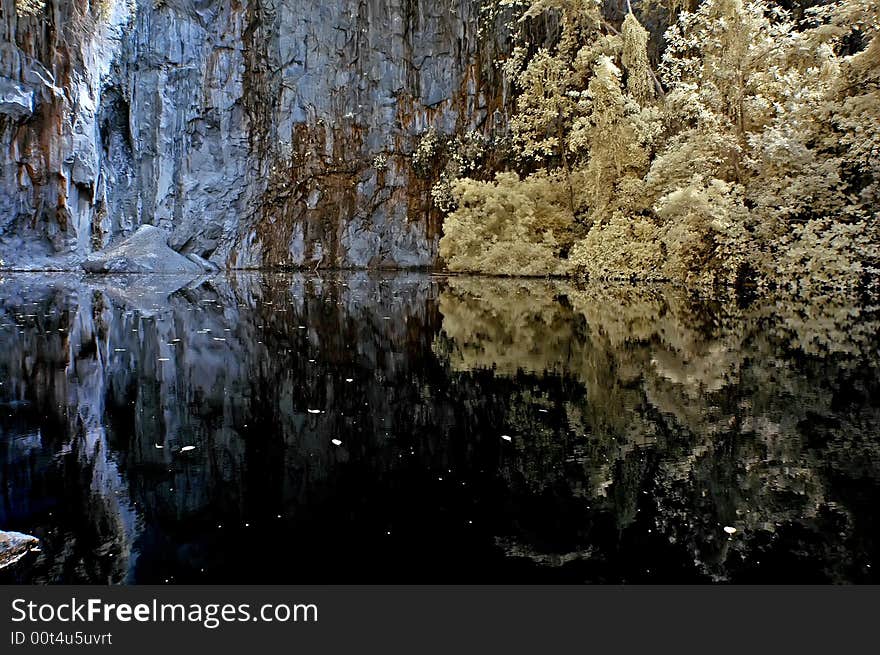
(757,160)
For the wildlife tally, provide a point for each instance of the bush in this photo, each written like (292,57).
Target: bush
(509,226)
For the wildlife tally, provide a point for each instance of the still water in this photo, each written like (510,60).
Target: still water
(406,428)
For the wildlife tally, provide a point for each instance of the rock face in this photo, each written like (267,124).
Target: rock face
(146,251)
(255,133)
(14,546)
(15,100)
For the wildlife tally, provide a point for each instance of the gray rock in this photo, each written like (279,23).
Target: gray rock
(145,251)
(204,264)
(83,171)
(15,100)
(14,546)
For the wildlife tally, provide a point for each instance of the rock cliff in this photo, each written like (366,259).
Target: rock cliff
(253,132)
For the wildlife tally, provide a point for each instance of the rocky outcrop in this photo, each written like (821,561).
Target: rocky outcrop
(146,251)
(14,546)
(257,133)
(16,100)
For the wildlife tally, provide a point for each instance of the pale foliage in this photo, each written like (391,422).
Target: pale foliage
(613,136)
(549,82)
(624,248)
(759,163)
(639,82)
(703,231)
(30,8)
(828,254)
(545,108)
(454,157)
(509,226)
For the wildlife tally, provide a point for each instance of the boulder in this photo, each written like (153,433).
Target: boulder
(207,266)
(14,546)
(145,251)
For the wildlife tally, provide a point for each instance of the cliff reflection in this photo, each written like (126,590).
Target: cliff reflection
(404,428)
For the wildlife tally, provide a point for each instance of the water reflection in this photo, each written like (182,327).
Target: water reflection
(408,428)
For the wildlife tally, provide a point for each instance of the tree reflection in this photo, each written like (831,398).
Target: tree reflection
(695,415)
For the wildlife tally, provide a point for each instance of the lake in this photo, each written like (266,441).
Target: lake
(409,428)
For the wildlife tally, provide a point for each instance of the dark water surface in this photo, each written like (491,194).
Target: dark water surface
(350,428)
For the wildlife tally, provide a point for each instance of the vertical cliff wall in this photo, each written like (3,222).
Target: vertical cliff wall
(254,132)
(52,196)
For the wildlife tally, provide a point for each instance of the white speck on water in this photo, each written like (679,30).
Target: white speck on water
(336,442)
(730,530)
(159,447)
(164,359)
(506,437)
(187,449)
(315,411)
(349,379)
